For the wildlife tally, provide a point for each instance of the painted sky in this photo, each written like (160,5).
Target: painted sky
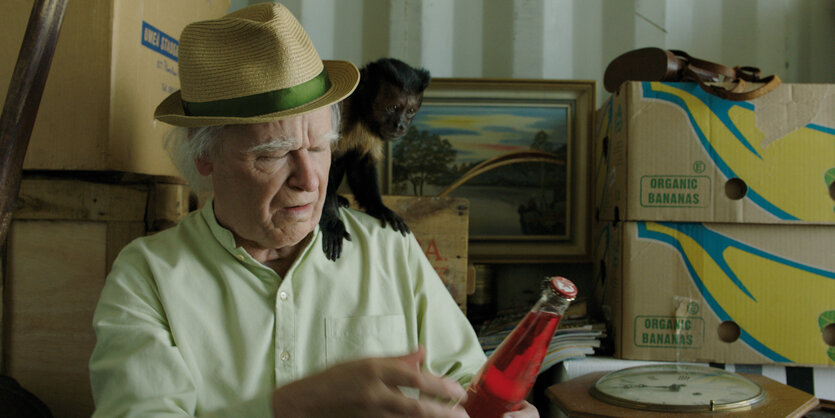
(479,132)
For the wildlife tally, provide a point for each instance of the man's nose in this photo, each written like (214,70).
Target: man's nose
(304,176)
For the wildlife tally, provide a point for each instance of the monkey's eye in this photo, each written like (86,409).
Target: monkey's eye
(392,108)
(411,111)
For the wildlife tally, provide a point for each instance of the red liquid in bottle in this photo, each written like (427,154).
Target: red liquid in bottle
(511,371)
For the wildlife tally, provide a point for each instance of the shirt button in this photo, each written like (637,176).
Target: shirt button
(283,295)
(240,257)
(284,356)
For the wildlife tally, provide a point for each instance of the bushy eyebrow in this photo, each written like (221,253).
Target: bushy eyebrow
(330,137)
(275,144)
(288,143)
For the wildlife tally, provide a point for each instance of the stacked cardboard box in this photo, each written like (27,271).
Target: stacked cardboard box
(114,62)
(716,223)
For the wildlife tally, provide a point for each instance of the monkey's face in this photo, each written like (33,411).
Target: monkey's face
(393,111)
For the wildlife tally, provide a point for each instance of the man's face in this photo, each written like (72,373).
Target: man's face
(270,179)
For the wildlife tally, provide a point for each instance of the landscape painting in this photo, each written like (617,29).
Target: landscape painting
(517,150)
(447,139)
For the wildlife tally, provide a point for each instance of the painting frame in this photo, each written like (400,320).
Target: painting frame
(576,98)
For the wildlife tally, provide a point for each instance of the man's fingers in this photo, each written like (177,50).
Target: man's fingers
(408,407)
(431,408)
(406,374)
(526,411)
(415,357)
(372,387)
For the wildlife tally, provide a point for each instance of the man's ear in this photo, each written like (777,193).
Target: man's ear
(204,166)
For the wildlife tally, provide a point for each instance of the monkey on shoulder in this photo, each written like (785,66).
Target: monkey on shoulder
(381,109)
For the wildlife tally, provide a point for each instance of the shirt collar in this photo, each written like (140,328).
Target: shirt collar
(221,234)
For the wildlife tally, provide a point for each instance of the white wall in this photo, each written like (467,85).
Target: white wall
(572,39)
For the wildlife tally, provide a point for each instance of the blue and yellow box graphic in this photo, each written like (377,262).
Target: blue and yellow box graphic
(727,293)
(673,152)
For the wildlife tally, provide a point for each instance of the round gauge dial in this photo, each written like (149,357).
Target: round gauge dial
(677,388)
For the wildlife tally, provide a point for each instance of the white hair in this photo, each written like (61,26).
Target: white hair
(186,145)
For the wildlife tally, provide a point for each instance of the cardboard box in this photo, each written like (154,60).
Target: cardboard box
(672,152)
(64,236)
(114,62)
(725,293)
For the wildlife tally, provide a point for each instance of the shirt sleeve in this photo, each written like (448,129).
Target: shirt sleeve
(452,348)
(136,369)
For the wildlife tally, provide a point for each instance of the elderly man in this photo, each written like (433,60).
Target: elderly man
(236,311)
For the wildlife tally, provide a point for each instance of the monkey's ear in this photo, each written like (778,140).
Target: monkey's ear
(364,75)
(365,78)
(425,78)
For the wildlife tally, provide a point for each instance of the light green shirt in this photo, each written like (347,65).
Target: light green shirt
(189,325)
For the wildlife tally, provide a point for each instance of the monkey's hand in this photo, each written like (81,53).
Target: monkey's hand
(386,215)
(333,232)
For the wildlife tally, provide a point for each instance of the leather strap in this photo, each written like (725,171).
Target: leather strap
(703,72)
(737,92)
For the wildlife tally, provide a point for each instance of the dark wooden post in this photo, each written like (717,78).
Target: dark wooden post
(23,99)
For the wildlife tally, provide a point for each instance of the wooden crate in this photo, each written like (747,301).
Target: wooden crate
(63,238)
(440,226)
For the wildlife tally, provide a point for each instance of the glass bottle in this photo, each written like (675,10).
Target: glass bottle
(507,377)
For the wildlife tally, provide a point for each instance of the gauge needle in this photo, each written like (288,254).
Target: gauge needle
(674,387)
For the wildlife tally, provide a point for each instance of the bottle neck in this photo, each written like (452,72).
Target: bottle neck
(551,303)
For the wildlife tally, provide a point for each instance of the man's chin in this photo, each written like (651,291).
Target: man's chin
(296,229)
(286,238)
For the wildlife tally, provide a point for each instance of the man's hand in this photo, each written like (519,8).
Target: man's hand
(527,411)
(366,388)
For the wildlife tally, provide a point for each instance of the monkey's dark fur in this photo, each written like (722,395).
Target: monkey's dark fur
(382,107)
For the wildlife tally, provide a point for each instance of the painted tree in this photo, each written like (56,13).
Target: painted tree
(420,158)
(540,142)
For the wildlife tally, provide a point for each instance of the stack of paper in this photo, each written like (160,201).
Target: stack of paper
(576,337)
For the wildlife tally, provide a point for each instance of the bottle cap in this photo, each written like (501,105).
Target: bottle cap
(563,287)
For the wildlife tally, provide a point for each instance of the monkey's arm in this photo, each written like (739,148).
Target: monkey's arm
(362,177)
(333,230)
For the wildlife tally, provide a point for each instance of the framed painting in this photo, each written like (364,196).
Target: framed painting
(518,150)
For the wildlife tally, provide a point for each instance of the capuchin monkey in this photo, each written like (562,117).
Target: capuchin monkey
(381,109)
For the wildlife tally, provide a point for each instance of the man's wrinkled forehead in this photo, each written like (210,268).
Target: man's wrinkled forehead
(288,133)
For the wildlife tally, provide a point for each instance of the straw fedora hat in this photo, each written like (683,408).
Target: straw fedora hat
(254,65)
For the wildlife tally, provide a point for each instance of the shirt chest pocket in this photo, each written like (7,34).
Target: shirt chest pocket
(351,338)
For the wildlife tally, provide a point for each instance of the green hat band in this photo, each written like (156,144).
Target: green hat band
(262,103)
